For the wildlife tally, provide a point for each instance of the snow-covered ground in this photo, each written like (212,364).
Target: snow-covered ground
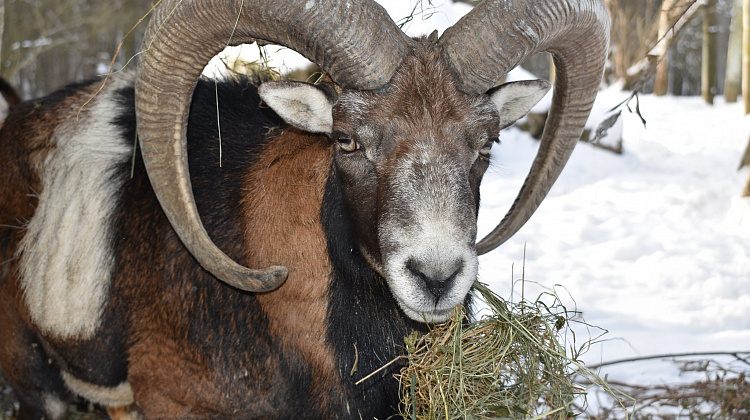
(652,245)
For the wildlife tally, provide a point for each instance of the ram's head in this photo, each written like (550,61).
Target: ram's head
(412,122)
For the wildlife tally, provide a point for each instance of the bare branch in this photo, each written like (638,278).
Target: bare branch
(736,354)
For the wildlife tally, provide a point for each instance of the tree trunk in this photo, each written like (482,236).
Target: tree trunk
(661,83)
(2,30)
(708,66)
(733,79)
(678,82)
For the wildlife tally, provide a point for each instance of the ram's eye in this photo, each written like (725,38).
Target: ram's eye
(485,150)
(347,144)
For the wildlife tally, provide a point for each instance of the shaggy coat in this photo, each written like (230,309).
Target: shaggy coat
(293,353)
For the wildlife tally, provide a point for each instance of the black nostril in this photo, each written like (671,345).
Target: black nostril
(437,279)
(436,287)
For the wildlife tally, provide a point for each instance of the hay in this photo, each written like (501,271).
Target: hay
(511,364)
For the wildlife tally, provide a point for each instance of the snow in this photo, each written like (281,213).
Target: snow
(651,245)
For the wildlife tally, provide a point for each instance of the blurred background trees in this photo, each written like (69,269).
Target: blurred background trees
(657,45)
(47,43)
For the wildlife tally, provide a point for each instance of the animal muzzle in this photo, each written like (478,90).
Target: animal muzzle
(428,248)
(431,276)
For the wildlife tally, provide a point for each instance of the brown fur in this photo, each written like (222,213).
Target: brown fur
(14,344)
(300,163)
(123,413)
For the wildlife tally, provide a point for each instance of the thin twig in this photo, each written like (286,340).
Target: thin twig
(672,355)
(379,370)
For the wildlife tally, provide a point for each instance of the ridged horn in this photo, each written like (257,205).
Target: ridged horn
(355,42)
(494,38)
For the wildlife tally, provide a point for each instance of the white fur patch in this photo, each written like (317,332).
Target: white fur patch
(4,109)
(121,395)
(354,103)
(54,407)
(66,256)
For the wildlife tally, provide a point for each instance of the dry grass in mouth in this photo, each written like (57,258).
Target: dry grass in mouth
(512,363)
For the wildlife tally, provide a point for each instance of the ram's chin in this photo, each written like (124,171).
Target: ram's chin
(424,309)
(430,317)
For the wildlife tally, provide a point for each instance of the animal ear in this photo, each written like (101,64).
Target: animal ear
(302,105)
(515,99)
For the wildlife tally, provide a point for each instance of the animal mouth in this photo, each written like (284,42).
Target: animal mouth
(433,316)
(428,283)
(422,303)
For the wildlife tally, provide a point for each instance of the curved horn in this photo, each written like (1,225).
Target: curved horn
(356,43)
(494,38)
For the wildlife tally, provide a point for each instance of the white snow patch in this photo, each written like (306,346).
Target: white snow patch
(651,245)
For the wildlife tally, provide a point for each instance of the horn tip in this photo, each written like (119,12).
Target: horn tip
(263,280)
